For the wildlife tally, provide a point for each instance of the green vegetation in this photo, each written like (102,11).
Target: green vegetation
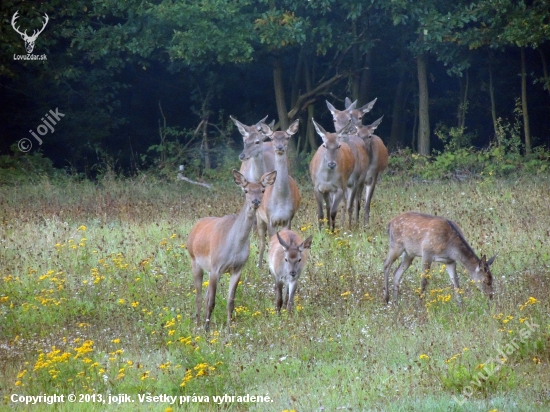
(96,296)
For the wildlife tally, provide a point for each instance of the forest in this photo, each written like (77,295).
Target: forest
(145,84)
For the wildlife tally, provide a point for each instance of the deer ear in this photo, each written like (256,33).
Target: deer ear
(347,102)
(346,129)
(368,107)
(282,242)
(239,178)
(293,128)
(240,126)
(351,106)
(307,243)
(490,261)
(375,124)
(258,125)
(331,107)
(266,130)
(320,131)
(268,179)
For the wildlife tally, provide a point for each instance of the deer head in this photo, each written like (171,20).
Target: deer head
(29,40)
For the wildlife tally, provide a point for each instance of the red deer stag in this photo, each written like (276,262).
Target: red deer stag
(330,169)
(258,156)
(437,239)
(281,201)
(378,161)
(220,245)
(287,259)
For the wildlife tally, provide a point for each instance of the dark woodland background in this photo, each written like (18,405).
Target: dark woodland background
(152,83)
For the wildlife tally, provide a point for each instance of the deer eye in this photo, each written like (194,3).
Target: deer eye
(246,191)
(286,260)
(299,260)
(324,145)
(257,142)
(339,146)
(263,190)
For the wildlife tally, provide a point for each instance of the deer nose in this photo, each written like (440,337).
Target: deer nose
(242,156)
(331,165)
(293,273)
(280,148)
(256,203)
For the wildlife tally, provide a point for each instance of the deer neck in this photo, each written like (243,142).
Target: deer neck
(239,233)
(467,258)
(281,185)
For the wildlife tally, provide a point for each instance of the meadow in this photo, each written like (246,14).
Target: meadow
(97,300)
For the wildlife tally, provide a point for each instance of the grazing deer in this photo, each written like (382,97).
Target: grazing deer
(378,161)
(220,245)
(356,182)
(437,239)
(287,259)
(258,156)
(342,117)
(281,201)
(330,169)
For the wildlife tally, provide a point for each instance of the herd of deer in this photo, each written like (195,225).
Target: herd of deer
(347,162)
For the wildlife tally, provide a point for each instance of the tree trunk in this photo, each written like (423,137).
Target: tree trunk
(544,71)
(366,81)
(282,110)
(493,104)
(355,73)
(205,147)
(526,128)
(423,107)
(463,104)
(397,112)
(310,130)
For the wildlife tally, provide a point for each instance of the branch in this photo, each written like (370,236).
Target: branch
(308,96)
(182,177)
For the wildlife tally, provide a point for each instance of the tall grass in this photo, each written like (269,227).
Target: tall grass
(96,296)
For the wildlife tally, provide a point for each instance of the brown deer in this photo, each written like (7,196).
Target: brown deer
(341,117)
(377,163)
(258,155)
(282,200)
(437,239)
(330,169)
(356,182)
(220,245)
(287,259)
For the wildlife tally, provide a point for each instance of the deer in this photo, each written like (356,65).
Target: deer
(341,117)
(282,200)
(438,239)
(221,245)
(29,40)
(377,161)
(287,260)
(258,155)
(330,170)
(356,182)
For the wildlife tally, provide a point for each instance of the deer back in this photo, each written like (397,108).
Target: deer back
(376,150)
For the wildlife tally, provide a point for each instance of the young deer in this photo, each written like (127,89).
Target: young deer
(220,245)
(437,239)
(287,259)
(356,182)
(330,169)
(378,161)
(258,156)
(281,201)
(342,117)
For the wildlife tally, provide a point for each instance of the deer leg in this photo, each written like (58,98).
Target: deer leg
(210,300)
(319,200)
(371,183)
(358,194)
(278,296)
(451,270)
(329,199)
(197,279)
(262,228)
(334,209)
(426,264)
(403,266)
(291,292)
(233,282)
(350,194)
(393,254)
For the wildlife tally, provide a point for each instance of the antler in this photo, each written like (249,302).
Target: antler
(15,17)
(35,33)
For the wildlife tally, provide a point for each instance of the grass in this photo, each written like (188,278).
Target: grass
(96,297)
